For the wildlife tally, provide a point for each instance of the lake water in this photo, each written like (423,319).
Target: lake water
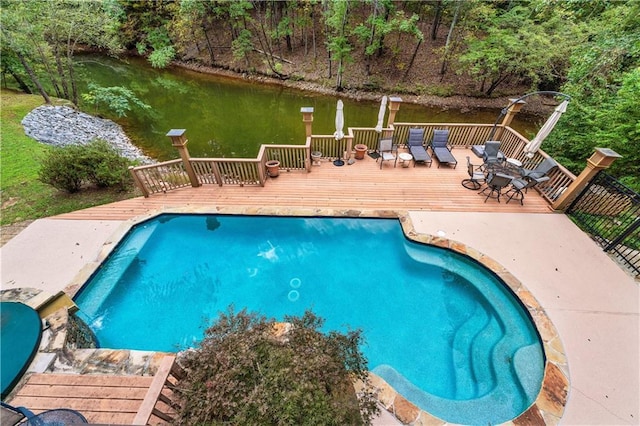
(227,117)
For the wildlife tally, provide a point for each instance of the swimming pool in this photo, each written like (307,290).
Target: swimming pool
(442,330)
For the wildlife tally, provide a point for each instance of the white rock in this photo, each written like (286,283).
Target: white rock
(62,126)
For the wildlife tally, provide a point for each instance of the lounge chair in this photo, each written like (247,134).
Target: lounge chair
(416,147)
(541,169)
(386,150)
(440,148)
(476,176)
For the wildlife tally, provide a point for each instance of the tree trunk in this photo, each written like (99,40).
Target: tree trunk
(381,47)
(313,36)
(47,67)
(367,58)
(33,77)
(413,57)
(340,71)
(72,79)
(21,83)
(445,57)
(495,83)
(61,74)
(209,46)
(327,32)
(436,20)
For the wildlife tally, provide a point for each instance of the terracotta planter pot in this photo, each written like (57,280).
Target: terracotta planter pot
(360,151)
(273,168)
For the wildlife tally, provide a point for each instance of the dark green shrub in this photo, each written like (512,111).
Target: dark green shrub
(244,373)
(61,170)
(105,167)
(74,166)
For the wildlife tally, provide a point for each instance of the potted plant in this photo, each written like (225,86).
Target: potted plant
(273,168)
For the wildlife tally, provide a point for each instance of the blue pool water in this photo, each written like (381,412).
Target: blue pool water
(441,329)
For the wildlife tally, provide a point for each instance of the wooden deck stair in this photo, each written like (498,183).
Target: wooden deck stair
(114,400)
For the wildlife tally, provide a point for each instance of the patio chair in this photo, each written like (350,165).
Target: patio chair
(478,150)
(495,184)
(492,153)
(541,169)
(386,150)
(519,187)
(476,176)
(20,415)
(440,148)
(416,147)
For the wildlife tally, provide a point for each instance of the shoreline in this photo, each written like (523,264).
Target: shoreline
(535,107)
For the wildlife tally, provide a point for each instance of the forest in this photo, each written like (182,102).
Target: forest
(589,50)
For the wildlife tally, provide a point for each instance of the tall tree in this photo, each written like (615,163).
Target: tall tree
(372,32)
(337,40)
(47,34)
(515,45)
(148,28)
(604,82)
(203,14)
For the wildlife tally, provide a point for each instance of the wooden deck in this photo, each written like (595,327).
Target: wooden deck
(102,399)
(361,186)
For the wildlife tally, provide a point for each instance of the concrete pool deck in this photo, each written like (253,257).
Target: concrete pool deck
(592,302)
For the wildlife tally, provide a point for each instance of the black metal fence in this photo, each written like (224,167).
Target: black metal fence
(610,213)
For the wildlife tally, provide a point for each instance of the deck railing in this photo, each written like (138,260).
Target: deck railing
(460,134)
(160,177)
(163,397)
(169,175)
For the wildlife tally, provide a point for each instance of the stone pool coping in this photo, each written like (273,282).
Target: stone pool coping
(550,403)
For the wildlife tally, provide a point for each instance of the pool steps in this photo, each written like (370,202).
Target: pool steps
(121,263)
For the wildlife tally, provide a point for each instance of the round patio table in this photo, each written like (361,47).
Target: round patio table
(405,158)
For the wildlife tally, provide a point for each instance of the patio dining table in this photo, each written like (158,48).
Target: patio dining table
(504,167)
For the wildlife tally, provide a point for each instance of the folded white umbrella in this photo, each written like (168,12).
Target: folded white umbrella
(339,134)
(383,109)
(544,131)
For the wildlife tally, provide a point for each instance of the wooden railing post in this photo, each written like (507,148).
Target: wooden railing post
(138,182)
(508,118)
(394,106)
(601,159)
(180,143)
(307,118)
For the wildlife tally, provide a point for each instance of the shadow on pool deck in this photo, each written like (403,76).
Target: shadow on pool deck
(592,302)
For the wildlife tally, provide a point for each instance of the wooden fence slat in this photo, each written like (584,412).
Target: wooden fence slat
(96,391)
(91,380)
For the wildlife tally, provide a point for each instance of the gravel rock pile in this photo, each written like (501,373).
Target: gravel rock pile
(61,126)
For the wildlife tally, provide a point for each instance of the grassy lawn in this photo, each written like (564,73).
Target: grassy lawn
(23,196)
